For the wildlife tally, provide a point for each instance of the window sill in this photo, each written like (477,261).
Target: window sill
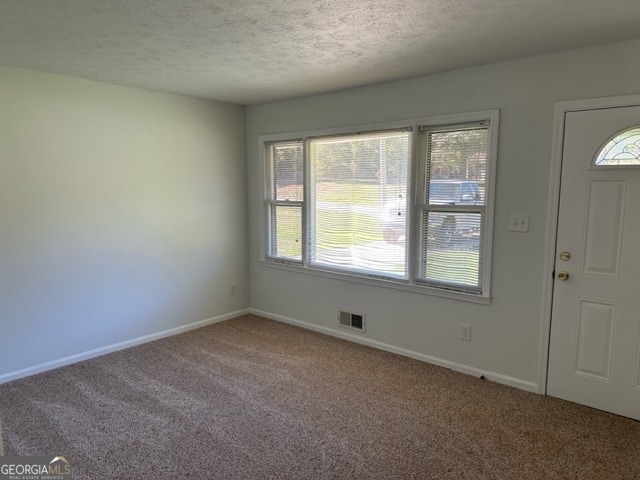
(379,282)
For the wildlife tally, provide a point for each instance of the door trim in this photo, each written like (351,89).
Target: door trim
(553,204)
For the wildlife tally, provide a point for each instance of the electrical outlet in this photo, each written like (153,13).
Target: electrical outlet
(232,289)
(465,332)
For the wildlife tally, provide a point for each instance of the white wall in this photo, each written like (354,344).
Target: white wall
(122,214)
(506,333)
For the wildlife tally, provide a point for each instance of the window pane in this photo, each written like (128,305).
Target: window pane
(456,165)
(286,231)
(287,161)
(451,243)
(359,202)
(623,149)
(451,248)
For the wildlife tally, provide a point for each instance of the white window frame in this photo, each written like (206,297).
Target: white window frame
(269,202)
(413,185)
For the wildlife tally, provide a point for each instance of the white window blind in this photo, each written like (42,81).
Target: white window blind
(451,207)
(358,192)
(285,200)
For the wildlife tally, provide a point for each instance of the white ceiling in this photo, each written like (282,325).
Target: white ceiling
(252,51)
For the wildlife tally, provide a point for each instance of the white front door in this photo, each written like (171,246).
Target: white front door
(594,354)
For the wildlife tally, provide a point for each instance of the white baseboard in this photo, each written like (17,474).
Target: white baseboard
(458,367)
(43,367)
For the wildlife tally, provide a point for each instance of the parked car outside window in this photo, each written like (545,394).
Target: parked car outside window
(442,225)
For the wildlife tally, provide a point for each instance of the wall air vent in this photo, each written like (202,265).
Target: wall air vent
(352,320)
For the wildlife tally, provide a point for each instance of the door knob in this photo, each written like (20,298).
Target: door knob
(563,276)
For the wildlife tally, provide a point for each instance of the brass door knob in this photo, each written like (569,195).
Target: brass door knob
(563,276)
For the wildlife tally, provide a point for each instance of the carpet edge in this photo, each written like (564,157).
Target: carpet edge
(79,357)
(458,367)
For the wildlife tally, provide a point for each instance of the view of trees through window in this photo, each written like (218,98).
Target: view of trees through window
(286,195)
(347,197)
(453,199)
(353,179)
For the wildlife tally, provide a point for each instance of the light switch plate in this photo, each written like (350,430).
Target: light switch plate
(519,222)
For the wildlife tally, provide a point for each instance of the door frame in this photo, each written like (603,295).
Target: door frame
(553,204)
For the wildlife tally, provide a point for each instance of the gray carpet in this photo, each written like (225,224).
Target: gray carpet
(255,399)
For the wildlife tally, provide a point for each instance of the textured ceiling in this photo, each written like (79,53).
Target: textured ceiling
(251,51)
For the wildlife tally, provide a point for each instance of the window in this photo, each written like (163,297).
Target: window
(408,205)
(451,211)
(352,179)
(285,204)
(622,149)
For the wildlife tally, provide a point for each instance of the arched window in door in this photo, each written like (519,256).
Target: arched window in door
(622,150)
